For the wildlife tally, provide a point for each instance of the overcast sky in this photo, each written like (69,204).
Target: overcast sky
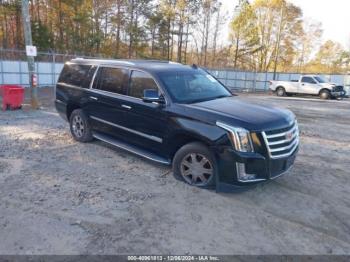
(333,14)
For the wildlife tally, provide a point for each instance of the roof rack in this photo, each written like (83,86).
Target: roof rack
(104,61)
(132,62)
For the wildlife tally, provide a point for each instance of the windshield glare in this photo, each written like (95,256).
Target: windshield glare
(192,86)
(321,80)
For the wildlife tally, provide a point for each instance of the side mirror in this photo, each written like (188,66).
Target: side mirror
(152,96)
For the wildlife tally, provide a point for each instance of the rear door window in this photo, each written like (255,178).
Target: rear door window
(308,80)
(77,75)
(139,82)
(112,80)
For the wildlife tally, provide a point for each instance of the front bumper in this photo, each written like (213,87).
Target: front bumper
(233,165)
(338,94)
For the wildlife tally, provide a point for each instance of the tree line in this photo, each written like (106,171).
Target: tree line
(264,35)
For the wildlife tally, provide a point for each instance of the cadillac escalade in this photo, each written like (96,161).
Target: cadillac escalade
(177,115)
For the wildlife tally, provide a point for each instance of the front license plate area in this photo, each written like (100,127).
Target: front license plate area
(290,161)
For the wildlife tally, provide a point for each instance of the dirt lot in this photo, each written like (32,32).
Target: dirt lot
(62,197)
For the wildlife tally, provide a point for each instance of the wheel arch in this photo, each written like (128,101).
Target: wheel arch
(70,108)
(181,139)
(324,89)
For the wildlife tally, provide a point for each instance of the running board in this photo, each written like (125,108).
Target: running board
(131,148)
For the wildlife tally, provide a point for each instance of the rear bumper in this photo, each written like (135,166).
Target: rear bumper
(257,168)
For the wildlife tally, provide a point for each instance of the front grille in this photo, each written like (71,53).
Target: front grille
(338,89)
(282,142)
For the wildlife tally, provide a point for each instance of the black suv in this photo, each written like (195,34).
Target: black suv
(179,115)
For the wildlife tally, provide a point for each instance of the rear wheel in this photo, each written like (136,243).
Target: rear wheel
(195,164)
(325,94)
(281,91)
(79,126)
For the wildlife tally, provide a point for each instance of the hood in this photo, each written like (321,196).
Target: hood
(327,85)
(235,112)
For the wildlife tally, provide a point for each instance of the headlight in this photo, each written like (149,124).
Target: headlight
(240,137)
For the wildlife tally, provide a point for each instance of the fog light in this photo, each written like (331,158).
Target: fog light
(243,176)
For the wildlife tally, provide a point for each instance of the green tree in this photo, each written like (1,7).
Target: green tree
(331,58)
(244,34)
(41,36)
(279,25)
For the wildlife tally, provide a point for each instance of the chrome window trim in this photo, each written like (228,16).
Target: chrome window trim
(75,86)
(116,95)
(60,101)
(93,77)
(106,93)
(155,81)
(71,86)
(154,138)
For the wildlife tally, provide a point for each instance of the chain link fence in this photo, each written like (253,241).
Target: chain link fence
(259,82)
(48,65)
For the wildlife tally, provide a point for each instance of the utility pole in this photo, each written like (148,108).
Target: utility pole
(278,44)
(30,59)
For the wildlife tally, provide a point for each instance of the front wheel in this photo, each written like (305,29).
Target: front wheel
(324,94)
(195,164)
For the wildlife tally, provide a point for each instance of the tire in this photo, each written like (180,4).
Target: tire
(204,168)
(280,91)
(80,127)
(325,94)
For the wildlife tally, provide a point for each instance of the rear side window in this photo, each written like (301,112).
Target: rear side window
(308,80)
(112,80)
(139,82)
(77,75)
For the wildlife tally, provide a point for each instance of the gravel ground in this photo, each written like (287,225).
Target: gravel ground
(62,197)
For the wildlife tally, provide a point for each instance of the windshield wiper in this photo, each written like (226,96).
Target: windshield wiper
(206,99)
(218,97)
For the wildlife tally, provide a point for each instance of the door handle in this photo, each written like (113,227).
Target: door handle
(93,98)
(126,107)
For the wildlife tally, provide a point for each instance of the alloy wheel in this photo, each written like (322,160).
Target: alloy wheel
(280,92)
(78,126)
(196,169)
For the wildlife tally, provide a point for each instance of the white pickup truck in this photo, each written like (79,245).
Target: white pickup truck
(308,85)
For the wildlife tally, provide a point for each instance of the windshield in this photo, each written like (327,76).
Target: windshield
(192,86)
(321,80)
